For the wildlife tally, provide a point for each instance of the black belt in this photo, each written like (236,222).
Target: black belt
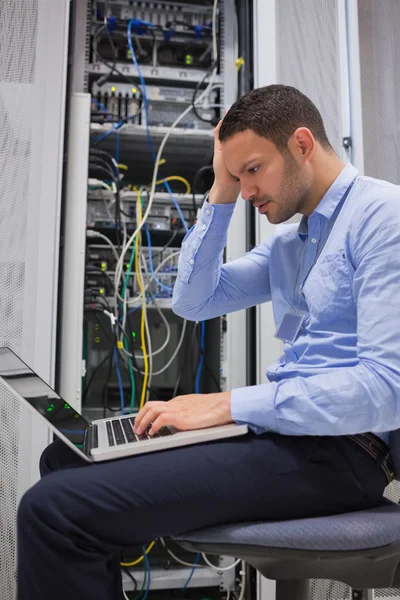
(378,450)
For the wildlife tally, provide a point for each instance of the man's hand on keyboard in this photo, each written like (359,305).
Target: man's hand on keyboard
(193,411)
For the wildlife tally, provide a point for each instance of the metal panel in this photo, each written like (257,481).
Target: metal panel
(73,270)
(80,44)
(235,355)
(356,122)
(175,74)
(33,56)
(266,588)
(380,87)
(314,67)
(265,73)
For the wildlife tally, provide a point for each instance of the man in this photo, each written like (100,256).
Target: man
(333,283)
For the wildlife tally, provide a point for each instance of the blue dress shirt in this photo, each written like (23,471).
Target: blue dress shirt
(342,374)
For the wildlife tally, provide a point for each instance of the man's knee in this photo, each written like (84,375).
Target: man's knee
(58,456)
(33,506)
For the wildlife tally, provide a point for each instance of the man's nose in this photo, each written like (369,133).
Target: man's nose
(248,192)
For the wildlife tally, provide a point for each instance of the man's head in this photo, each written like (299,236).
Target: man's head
(271,140)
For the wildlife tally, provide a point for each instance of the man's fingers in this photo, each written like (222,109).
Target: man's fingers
(149,416)
(159,422)
(143,413)
(217,128)
(140,415)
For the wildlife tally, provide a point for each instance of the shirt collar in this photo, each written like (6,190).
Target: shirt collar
(328,203)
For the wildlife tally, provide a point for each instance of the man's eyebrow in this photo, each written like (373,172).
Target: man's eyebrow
(247,164)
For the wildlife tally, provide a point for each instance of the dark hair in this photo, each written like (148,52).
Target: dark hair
(274,112)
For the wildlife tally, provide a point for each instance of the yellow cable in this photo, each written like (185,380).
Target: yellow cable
(136,562)
(176,178)
(143,294)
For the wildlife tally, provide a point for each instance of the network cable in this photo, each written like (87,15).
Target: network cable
(196,560)
(179,560)
(118,271)
(139,560)
(134,301)
(144,307)
(146,108)
(113,130)
(148,337)
(162,286)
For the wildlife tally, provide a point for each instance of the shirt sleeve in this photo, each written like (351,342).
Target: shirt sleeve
(360,398)
(207,288)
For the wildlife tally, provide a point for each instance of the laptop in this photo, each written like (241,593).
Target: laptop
(103,439)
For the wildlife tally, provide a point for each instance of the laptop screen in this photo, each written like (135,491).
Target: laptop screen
(42,397)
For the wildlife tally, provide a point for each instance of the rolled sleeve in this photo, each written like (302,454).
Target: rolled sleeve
(213,222)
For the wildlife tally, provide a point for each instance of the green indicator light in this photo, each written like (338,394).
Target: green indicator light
(188,59)
(101,291)
(133,334)
(66,405)
(50,408)
(97,339)
(103,266)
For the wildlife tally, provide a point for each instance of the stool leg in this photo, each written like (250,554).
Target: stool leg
(293,589)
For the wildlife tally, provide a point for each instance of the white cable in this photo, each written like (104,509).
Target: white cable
(134,301)
(168,335)
(228,594)
(90,233)
(98,183)
(167,326)
(147,330)
(119,267)
(243,585)
(178,347)
(219,568)
(179,560)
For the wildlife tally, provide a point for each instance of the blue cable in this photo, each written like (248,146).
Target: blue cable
(114,129)
(201,361)
(162,286)
(121,389)
(143,84)
(146,109)
(178,208)
(196,560)
(147,565)
(102,107)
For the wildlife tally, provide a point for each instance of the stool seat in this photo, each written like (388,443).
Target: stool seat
(361,530)
(361,549)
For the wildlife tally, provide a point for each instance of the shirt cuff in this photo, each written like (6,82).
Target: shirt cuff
(255,407)
(216,217)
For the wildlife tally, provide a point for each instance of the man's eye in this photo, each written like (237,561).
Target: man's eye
(253,169)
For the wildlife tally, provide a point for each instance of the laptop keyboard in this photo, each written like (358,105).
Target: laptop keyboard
(120,431)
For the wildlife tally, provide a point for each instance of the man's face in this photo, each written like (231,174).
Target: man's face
(277,186)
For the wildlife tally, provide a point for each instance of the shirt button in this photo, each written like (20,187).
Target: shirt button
(314,240)
(191,261)
(204,227)
(208,211)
